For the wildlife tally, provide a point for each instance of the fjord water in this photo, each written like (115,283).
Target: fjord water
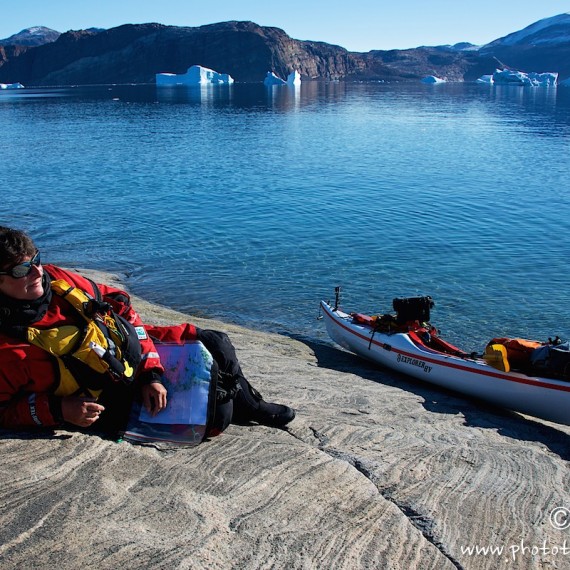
(251,204)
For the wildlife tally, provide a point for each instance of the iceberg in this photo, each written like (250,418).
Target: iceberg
(196,75)
(486,79)
(512,77)
(294,78)
(11,86)
(272,79)
(566,82)
(432,79)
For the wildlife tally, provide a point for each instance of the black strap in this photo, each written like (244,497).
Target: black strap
(96,291)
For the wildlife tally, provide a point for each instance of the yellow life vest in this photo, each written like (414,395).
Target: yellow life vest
(107,344)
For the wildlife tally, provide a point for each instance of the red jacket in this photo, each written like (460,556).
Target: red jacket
(28,374)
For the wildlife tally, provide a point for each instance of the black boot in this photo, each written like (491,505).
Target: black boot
(249,406)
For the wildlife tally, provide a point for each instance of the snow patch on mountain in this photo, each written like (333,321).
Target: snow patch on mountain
(553,31)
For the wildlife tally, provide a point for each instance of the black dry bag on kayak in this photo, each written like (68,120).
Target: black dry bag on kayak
(412,309)
(552,360)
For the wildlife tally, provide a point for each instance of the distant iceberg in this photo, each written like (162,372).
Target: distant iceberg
(507,76)
(294,78)
(511,77)
(486,79)
(566,82)
(196,75)
(11,86)
(432,79)
(272,79)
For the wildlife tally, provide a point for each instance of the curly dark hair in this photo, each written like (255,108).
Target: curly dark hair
(14,246)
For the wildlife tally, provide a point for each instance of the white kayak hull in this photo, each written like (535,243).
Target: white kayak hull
(545,398)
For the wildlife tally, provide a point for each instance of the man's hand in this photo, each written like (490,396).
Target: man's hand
(80,411)
(154,397)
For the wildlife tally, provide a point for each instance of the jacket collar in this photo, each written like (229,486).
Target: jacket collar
(17,315)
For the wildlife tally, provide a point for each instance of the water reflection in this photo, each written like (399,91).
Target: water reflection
(284,97)
(253,96)
(524,95)
(205,95)
(15,95)
(543,111)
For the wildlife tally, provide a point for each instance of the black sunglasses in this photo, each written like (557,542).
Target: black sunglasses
(23,269)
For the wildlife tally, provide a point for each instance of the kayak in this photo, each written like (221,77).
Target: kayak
(419,352)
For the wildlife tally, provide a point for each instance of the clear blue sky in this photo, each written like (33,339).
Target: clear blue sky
(358,25)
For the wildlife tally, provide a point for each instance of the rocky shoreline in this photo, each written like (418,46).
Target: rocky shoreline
(376,471)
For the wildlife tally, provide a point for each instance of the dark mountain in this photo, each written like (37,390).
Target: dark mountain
(462,46)
(32,37)
(553,31)
(542,46)
(17,44)
(414,64)
(135,53)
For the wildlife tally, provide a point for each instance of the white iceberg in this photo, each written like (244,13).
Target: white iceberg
(486,79)
(294,78)
(196,75)
(432,79)
(512,77)
(11,86)
(272,79)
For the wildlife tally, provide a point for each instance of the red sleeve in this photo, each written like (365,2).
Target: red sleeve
(26,378)
(175,333)
(150,358)
(28,410)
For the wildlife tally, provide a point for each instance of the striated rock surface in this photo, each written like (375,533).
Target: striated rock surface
(376,471)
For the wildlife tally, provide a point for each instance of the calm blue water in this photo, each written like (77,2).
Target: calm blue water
(250,205)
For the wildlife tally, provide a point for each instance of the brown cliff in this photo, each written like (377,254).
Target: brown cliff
(135,53)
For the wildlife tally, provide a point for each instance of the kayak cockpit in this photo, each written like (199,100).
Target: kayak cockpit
(430,340)
(422,335)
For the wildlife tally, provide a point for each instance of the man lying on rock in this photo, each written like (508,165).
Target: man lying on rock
(54,371)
